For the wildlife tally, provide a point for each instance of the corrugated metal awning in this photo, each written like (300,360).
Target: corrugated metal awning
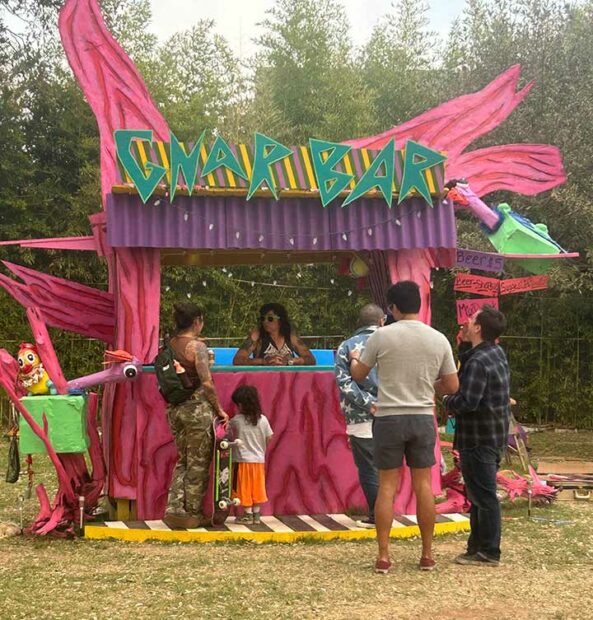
(227,223)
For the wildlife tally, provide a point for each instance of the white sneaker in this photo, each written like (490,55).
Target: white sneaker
(366,524)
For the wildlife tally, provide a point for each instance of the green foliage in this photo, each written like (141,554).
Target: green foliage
(399,64)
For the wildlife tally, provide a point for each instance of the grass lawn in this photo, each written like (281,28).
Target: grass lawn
(546,572)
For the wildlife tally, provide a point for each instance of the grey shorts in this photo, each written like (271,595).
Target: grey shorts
(396,436)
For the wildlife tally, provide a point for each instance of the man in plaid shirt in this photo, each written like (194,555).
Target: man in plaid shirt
(482,411)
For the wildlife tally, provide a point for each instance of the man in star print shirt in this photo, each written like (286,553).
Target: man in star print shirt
(357,401)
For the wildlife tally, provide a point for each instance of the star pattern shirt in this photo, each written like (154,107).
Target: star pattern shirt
(355,399)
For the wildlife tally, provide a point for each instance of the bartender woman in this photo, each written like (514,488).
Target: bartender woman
(273,342)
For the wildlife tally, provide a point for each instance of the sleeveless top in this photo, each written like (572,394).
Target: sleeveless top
(178,343)
(268,349)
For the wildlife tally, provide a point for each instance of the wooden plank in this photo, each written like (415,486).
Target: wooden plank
(565,467)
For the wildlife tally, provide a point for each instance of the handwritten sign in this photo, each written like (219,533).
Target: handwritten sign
(466,308)
(483,261)
(521,285)
(479,285)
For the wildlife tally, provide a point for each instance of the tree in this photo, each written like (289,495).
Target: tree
(399,64)
(306,73)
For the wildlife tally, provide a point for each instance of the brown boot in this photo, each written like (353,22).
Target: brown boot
(183,521)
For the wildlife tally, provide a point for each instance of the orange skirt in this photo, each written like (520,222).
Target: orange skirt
(250,484)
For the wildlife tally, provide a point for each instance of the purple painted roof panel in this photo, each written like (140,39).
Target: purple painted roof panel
(289,224)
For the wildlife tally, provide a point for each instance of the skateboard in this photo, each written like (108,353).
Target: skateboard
(222,486)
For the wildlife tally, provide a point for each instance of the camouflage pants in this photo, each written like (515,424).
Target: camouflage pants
(191,425)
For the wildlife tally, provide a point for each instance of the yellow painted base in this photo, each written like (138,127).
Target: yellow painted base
(142,535)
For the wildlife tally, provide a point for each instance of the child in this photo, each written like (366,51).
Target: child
(254,431)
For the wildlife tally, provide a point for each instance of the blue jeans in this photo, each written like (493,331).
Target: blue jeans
(479,466)
(362,451)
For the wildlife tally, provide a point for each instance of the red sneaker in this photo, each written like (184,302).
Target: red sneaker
(382,566)
(427,564)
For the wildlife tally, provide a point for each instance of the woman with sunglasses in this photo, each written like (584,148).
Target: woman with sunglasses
(273,343)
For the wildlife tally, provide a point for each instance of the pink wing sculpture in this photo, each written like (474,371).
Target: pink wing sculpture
(451,127)
(110,81)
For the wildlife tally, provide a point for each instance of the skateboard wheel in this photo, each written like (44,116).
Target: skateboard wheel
(238,442)
(223,504)
(236,501)
(224,444)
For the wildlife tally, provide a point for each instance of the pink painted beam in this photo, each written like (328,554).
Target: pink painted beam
(109,80)
(65,304)
(57,243)
(46,349)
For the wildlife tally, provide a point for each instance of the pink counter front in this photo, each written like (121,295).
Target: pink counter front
(309,466)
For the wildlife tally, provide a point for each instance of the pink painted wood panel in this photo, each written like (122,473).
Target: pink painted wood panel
(109,80)
(309,462)
(65,304)
(451,127)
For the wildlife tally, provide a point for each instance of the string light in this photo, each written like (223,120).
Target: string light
(343,234)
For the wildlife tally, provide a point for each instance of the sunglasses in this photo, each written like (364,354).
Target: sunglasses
(270,318)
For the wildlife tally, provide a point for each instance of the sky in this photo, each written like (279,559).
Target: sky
(236,20)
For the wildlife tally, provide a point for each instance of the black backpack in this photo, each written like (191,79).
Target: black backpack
(170,384)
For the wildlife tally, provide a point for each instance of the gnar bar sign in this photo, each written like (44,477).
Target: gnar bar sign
(325,157)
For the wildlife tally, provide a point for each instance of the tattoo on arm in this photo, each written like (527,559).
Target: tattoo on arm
(248,345)
(303,351)
(203,370)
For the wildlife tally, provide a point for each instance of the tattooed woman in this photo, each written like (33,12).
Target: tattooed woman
(273,342)
(191,422)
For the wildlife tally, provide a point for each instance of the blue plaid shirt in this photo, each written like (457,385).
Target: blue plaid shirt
(355,399)
(481,406)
